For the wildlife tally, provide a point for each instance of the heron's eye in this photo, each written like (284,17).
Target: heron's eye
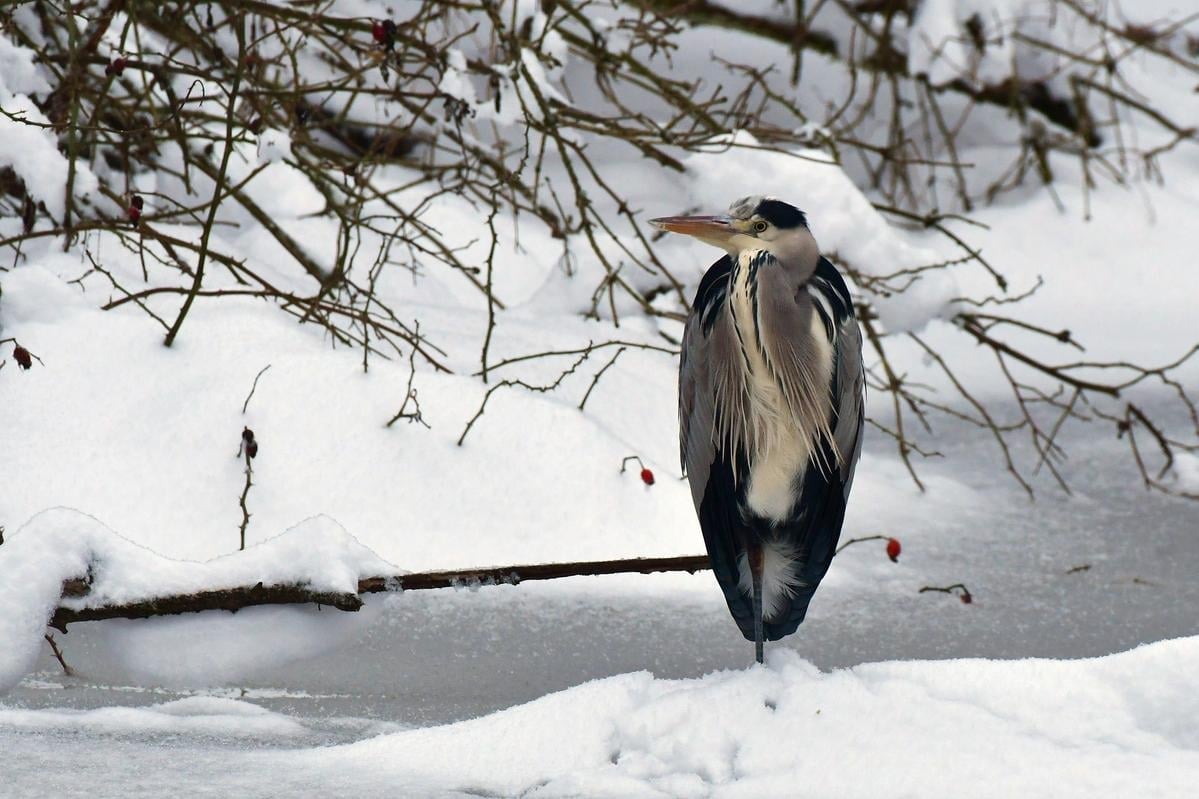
(760,227)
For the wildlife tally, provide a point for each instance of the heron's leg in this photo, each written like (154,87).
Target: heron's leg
(754,556)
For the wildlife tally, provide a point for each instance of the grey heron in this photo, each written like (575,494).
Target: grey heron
(771,397)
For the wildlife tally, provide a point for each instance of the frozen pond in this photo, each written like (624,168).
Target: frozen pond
(438,656)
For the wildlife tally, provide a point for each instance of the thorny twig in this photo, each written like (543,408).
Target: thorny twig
(543,389)
(67,670)
(860,539)
(254,387)
(245,492)
(957,589)
(410,395)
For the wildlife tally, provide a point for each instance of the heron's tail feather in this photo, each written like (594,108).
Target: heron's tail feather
(779,570)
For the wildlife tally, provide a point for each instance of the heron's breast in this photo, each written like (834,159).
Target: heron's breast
(781,445)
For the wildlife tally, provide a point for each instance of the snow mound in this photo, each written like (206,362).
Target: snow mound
(30,148)
(1117,725)
(62,544)
(201,715)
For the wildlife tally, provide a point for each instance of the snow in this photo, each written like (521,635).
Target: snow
(455,82)
(17,69)
(273,146)
(194,715)
(61,544)
(30,149)
(885,692)
(218,648)
(940,47)
(1186,472)
(1121,724)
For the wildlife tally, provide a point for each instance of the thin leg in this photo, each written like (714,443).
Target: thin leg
(754,557)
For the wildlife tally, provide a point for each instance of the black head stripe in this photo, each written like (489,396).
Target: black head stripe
(781,215)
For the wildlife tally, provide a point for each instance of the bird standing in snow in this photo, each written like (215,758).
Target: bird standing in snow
(771,398)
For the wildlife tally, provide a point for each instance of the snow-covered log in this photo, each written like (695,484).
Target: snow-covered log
(239,597)
(64,567)
(231,599)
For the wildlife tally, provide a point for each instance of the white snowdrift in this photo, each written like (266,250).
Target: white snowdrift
(61,544)
(30,149)
(1121,725)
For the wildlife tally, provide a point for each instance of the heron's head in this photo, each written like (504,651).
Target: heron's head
(752,223)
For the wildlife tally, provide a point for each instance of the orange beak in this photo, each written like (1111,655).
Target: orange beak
(712,229)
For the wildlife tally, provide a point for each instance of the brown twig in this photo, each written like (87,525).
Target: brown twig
(236,598)
(250,396)
(218,185)
(245,511)
(957,589)
(67,670)
(860,539)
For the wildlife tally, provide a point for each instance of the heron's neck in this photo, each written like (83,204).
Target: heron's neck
(796,250)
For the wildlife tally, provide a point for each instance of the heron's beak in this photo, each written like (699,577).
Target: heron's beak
(715,230)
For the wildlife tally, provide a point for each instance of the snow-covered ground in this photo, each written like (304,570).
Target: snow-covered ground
(1122,723)
(620,686)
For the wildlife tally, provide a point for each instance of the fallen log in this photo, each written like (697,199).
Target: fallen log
(234,599)
(231,599)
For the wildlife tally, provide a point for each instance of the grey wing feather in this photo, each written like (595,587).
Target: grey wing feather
(851,389)
(696,448)
(705,344)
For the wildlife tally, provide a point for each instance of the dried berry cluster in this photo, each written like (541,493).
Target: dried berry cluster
(249,444)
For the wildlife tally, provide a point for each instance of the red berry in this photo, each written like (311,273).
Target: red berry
(116,66)
(966,598)
(378,31)
(135,213)
(647,477)
(893,549)
(22,357)
(252,448)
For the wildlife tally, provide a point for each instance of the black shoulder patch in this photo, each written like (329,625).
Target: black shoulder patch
(828,281)
(712,291)
(782,215)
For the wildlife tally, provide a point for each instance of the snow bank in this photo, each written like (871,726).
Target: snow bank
(1117,725)
(30,149)
(940,47)
(61,544)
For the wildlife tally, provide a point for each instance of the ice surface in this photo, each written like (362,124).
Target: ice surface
(204,715)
